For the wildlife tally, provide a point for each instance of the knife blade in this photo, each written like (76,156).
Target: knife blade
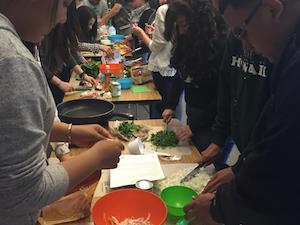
(193,173)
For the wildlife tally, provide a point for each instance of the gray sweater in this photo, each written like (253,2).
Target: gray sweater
(27,111)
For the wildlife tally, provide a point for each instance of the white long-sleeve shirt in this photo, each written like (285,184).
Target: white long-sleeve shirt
(160,56)
(27,112)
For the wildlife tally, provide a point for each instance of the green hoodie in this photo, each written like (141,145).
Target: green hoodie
(243,91)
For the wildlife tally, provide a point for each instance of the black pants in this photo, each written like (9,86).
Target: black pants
(164,85)
(198,117)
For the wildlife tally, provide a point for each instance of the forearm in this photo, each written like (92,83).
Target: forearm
(55,80)
(144,38)
(77,69)
(114,11)
(60,132)
(93,47)
(80,167)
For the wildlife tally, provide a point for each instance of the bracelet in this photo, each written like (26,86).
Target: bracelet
(81,75)
(70,133)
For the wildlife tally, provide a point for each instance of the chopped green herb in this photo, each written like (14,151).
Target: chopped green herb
(127,129)
(164,139)
(91,68)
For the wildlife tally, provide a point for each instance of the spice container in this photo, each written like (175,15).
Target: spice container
(107,76)
(144,185)
(115,89)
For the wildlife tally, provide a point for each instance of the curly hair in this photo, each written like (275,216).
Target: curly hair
(198,52)
(243,3)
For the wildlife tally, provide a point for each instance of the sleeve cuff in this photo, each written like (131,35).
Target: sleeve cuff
(215,210)
(236,167)
(150,45)
(219,140)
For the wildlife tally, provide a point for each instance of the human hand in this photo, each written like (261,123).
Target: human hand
(87,135)
(221,177)
(210,154)
(65,157)
(184,133)
(198,212)
(137,30)
(107,50)
(65,86)
(101,21)
(89,79)
(86,61)
(167,115)
(149,30)
(109,151)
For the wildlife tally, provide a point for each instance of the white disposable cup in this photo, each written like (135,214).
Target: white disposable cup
(136,147)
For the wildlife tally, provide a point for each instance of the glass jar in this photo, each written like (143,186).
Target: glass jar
(115,89)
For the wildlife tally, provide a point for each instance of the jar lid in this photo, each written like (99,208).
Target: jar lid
(115,83)
(144,184)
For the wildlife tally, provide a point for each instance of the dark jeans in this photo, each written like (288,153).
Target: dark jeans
(197,117)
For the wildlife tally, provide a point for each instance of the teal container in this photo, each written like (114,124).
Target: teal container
(176,197)
(126,82)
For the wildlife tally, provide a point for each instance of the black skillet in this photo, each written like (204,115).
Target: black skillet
(88,111)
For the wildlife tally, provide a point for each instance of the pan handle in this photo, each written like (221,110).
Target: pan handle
(123,115)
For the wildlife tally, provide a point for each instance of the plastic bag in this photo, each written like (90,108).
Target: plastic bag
(140,74)
(73,206)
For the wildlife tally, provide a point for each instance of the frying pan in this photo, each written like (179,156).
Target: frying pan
(88,111)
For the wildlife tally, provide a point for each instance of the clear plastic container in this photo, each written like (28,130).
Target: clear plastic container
(111,29)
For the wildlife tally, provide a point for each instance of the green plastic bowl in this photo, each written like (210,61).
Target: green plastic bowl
(176,197)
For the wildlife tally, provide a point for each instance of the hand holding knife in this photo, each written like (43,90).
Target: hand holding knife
(193,173)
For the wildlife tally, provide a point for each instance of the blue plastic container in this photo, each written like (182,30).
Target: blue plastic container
(116,37)
(126,82)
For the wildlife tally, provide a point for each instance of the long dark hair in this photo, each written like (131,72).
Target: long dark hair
(53,48)
(53,12)
(198,52)
(72,26)
(58,43)
(84,16)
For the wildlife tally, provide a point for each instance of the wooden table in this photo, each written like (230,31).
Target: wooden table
(103,185)
(127,96)
(88,54)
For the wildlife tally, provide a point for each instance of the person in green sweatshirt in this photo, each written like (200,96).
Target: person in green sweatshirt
(243,92)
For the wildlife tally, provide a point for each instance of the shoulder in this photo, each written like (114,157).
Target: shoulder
(162,9)
(11,45)
(161,12)
(17,63)
(86,3)
(103,3)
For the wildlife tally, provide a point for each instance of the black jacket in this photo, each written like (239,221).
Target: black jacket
(267,182)
(243,92)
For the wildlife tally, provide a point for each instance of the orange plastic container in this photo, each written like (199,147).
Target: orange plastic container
(129,203)
(117,69)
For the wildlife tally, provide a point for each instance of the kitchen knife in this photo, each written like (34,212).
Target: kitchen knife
(193,173)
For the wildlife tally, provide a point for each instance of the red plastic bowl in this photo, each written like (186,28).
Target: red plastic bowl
(129,203)
(117,69)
